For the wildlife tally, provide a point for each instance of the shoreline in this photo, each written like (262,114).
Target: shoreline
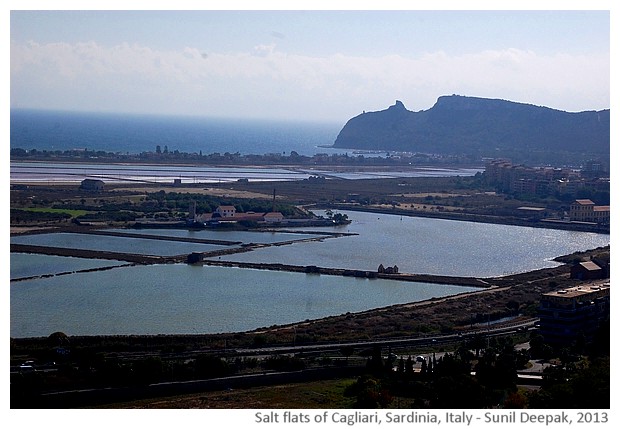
(480,218)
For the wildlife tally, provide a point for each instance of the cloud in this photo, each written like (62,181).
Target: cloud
(266,81)
(264,50)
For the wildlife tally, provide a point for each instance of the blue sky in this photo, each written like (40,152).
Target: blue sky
(305,64)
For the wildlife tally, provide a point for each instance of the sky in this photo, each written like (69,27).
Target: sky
(317,65)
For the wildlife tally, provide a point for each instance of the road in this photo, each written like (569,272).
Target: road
(397,343)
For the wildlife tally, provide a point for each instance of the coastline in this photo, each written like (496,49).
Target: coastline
(479,218)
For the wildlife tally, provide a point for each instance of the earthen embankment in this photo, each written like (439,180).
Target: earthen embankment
(312,269)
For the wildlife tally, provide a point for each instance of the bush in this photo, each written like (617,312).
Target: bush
(284,363)
(209,366)
(369,393)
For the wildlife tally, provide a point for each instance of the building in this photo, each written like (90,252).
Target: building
(541,181)
(568,315)
(586,211)
(92,185)
(587,271)
(534,213)
(226,211)
(273,217)
(228,214)
(593,168)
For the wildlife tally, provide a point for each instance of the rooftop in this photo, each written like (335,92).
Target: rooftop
(585,202)
(590,266)
(577,291)
(534,209)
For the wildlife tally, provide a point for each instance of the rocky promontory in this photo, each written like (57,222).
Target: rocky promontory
(480,127)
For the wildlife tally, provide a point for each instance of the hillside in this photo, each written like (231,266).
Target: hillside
(480,127)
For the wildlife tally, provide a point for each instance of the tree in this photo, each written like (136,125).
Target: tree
(515,400)
(538,347)
(409,366)
(579,388)
(58,339)
(497,370)
(458,391)
(424,367)
(209,366)
(450,365)
(59,346)
(477,343)
(369,393)
(340,218)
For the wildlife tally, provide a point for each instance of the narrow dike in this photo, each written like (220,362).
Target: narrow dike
(308,269)
(159,237)
(96,254)
(208,258)
(312,269)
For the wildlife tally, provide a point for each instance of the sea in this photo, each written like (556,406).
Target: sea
(132,133)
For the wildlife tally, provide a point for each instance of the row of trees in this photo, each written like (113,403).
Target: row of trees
(166,155)
(482,373)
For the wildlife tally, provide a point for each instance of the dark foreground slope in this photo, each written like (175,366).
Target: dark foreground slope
(482,127)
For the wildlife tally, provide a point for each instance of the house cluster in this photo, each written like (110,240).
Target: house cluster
(228,214)
(544,181)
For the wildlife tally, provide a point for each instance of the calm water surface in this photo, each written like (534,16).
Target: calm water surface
(223,235)
(139,246)
(127,133)
(26,265)
(194,299)
(432,246)
(167,299)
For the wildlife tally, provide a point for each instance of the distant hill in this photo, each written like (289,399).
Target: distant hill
(481,127)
